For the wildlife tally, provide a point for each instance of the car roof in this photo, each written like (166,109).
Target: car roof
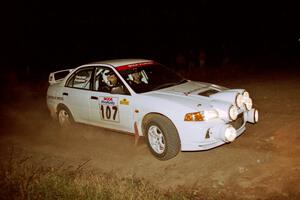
(121,62)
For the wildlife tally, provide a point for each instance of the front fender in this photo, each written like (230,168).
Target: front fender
(171,110)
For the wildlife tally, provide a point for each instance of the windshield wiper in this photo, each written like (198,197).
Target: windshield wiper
(169,84)
(164,86)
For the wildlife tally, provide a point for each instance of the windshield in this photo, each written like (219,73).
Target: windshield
(145,78)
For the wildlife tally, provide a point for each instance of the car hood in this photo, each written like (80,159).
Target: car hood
(195,95)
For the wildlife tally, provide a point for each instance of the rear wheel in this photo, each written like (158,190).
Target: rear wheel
(162,137)
(65,118)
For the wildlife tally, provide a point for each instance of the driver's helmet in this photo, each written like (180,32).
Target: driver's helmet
(110,78)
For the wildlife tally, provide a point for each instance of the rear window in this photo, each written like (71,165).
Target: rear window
(61,75)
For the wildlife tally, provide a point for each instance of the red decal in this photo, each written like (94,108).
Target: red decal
(125,67)
(107,98)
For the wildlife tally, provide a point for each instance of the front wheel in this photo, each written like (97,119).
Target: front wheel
(162,137)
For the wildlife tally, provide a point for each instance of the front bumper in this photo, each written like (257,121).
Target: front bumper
(196,136)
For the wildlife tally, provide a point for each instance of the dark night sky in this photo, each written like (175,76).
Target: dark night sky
(52,35)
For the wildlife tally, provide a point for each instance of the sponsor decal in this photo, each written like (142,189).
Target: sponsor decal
(108,101)
(124,102)
(55,97)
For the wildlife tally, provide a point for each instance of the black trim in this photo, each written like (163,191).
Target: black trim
(239,122)
(93,97)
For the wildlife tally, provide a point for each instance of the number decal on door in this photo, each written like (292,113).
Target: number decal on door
(109,109)
(109,112)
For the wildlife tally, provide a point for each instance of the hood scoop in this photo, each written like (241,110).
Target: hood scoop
(209,92)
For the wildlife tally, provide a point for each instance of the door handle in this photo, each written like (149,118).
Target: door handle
(65,94)
(93,97)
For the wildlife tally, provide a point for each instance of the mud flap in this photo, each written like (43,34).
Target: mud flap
(136,134)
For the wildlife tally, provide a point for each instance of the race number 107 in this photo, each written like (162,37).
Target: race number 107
(109,112)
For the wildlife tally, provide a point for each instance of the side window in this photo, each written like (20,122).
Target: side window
(81,79)
(106,80)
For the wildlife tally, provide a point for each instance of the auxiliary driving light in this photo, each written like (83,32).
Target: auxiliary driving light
(230,134)
(233,112)
(239,100)
(256,115)
(252,116)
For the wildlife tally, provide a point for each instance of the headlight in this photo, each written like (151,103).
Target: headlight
(209,114)
(196,116)
(239,100)
(233,112)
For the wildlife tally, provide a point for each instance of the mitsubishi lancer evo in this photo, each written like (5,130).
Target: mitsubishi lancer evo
(145,98)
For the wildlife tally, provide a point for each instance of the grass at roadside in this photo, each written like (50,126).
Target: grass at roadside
(26,179)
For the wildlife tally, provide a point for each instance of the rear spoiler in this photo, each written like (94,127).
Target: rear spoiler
(58,76)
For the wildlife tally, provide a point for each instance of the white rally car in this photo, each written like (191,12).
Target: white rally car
(145,98)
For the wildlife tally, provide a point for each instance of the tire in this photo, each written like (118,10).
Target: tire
(64,117)
(161,136)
